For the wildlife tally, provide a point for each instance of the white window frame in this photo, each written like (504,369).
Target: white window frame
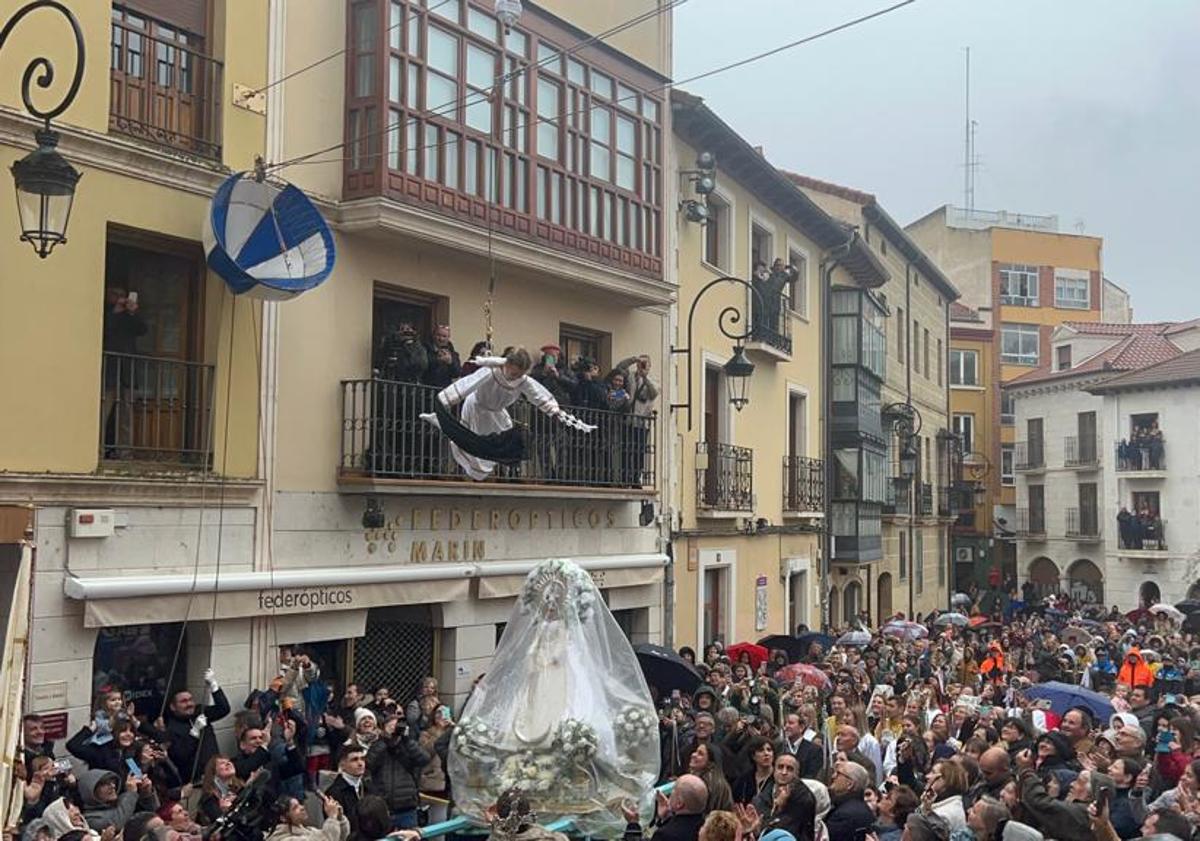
(803,285)
(958,368)
(726,240)
(965,422)
(1065,283)
(1008,478)
(1024,331)
(757,221)
(802,391)
(1022,275)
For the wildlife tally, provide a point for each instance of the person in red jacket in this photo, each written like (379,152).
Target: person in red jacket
(1174,761)
(1134,671)
(992,668)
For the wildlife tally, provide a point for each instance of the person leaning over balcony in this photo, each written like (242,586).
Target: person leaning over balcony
(122,329)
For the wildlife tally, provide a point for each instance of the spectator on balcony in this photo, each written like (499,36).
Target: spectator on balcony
(590,391)
(1126,527)
(402,358)
(444,366)
(641,387)
(560,384)
(617,397)
(477,350)
(122,329)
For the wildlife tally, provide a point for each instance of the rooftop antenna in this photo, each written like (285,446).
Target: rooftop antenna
(970,162)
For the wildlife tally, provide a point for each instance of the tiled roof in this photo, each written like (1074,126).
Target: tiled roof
(1138,346)
(1183,368)
(961,312)
(848,193)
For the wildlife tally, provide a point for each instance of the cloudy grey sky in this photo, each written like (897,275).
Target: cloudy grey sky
(1088,109)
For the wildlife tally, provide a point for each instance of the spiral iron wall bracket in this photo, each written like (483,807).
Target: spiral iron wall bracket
(42,66)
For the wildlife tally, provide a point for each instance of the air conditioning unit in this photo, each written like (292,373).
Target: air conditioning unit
(964,555)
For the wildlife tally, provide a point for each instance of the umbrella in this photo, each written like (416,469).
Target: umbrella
(904,630)
(956,619)
(857,638)
(960,600)
(1167,610)
(1063,696)
(1188,606)
(1137,614)
(789,645)
(666,669)
(976,621)
(806,640)
(758,655)
(1091,623)
(1077,636)
(806,673)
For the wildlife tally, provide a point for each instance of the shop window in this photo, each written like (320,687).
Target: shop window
(138,661)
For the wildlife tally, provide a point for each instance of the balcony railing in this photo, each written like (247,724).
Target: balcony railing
(724,477)
(1031,523)
(925,503)
(1080,452)
(155,409)
(803,484)
(956,499)
(1148,455)
(1083,524)
(897,495)
(1029,455)
(771,323)
(163,90)
(383,437)
(1141,533)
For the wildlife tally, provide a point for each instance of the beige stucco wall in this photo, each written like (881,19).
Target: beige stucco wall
(963,255)
(648,42)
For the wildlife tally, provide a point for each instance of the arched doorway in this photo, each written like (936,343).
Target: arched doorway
(883,597)
(1149,594)
(834,604)
(1043,572)
(1085,583)
(851,600)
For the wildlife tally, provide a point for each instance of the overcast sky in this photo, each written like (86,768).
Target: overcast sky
(1088,109)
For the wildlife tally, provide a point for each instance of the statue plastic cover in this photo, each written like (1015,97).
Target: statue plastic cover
(563,713)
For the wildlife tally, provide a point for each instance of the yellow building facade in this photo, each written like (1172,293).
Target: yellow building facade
(749,490)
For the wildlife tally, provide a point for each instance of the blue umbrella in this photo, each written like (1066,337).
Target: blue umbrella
(1063,696)
(857,638)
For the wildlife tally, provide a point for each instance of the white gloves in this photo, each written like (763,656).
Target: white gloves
(210,677)
(489,361)
(198,725)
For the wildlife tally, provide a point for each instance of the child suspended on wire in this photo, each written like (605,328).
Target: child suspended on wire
(483,434)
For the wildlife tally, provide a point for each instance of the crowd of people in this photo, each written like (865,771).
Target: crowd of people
(1142,450)
(308,763)
(1141,530)
(618,403)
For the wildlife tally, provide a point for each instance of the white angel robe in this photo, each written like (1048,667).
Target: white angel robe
(485,396)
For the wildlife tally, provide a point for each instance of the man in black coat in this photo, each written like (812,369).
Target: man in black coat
(444,364)
(395,762)
(680,817)
(809,757)
(189,728)
(33,740)
(348,788)
(850,812)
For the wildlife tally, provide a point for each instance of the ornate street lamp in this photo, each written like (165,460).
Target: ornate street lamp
(906,420)
(45,181)
(738,369)
(508,11)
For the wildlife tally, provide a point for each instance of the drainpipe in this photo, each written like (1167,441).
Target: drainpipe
(947,544)
(915,490)
(828,264)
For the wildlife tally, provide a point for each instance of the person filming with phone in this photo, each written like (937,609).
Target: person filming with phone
(123,326)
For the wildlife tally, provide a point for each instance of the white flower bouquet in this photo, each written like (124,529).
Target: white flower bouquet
(532,773)
(575,742)
(473,739)
(635,727)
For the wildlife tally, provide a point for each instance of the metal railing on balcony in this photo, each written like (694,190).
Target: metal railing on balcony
(1031,523)
(925,503)
(1083,524)
(1080,452)
(803,484)
(1141,532)
(164,90)
(384,437)
(724,477)
(1142,455)
(1029,455)
(897,494)
(155,409)
(771,323)
(956,499)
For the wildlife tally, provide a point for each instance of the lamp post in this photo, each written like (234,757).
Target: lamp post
(738,369)
(906,420)
(45,181)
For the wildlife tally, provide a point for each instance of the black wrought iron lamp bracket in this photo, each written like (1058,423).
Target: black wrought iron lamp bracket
(42,66)
(729,315)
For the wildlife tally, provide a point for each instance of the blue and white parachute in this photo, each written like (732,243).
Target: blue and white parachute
(266,241)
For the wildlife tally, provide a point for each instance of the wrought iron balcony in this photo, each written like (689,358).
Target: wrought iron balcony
(1080,452)
(1083,524)
(1137,533)
(803,484)
(1031,523)
(1029,455)
(383,437)
(724,477)
(925,505)
(771,323)
(155,409)
(898,493)
(1141,456)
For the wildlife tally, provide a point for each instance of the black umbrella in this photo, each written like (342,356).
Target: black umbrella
(666,670)
(1188,606)
(508,447)
(786,643)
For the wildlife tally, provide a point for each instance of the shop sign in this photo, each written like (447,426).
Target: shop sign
(48,696)
(54,725)
(760,603)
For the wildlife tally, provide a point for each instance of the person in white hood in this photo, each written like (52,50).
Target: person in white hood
(62,817)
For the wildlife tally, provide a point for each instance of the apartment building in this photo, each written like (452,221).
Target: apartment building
(913,574)
(1029,276)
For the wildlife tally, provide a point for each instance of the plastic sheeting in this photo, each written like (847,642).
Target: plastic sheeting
(563,713)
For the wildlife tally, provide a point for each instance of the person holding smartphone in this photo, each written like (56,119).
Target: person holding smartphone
(123,326)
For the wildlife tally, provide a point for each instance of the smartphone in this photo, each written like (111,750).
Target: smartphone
(62,766)
(1102,800)
(675,695)
(132,297)
(133,768)
(1163,745)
